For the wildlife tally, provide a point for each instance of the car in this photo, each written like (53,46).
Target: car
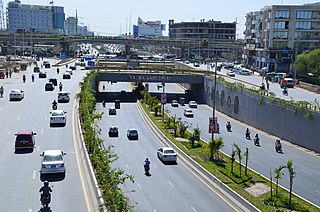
(49,86)
(46,62)
(188,113)
(193,104)
(132,134)
(231,74)
(25,139)
(82,64)
(174,103)
(187,62)
(54,81)
(63,96)
(16,94)
(245,72)
(66,76)
(2,73)
(287,82)
(196,65)
(43,74)
(47,65)
(167,154)
(69,71)
(113,131)
(58,117)
(112,111)
(73,67)
(52,161)
(36,69)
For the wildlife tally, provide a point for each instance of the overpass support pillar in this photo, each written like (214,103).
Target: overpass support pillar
(183,52)
(128,52)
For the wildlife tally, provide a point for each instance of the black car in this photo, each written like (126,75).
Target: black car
(36,69)
(47,65)
(54,81)
(43,74)
(66,76)
(113,131)
(49,86)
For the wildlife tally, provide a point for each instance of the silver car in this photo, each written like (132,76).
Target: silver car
(167,154)
(52,162)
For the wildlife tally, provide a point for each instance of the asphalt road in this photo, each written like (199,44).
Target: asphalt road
(171,187)
(19,176)
(262,159)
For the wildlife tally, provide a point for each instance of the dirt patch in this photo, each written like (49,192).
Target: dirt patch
(182,139)
(258,189)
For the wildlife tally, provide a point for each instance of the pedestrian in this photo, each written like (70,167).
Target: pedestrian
(7,74)
(267,83)
(10,73)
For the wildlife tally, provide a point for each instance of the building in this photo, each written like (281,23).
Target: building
(148,29)
(276,34)
(211,31)
(71,27)
(34,18)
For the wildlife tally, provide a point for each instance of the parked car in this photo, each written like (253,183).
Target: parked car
(66,76)
(167,154)
(112,111)
(16,94)
(174,103)
(113,131)
(188,113)
(43,74)
(54,81)
(52,161)
(49,86)
(63,96)
(231,74)
(132,134)
(193,104)
(25,139)
(58,117)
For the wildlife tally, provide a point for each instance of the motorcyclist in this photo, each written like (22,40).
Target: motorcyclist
(256,139)
(146,165)
(1,91)
(278,145)
(103,103)
(218,127)
(45,191)
(60,86)
(228,126)
(24,78)
(54,105)
(247,133)
(262,86)
(285,91)
(58,70)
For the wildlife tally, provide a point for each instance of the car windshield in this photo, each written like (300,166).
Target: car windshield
(57,113)
(63,94)
(23,137)
(170,151)
(133,131)
(48,158)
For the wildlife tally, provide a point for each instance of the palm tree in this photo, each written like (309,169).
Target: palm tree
(233,158)
(246,154)
(278,173)
(291,175)
(214,147)
(238,150)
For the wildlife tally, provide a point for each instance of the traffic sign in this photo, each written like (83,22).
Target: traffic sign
(213,124)
(163,98)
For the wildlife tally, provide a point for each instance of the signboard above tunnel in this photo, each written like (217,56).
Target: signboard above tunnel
(150,77)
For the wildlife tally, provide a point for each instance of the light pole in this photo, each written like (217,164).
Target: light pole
(214,97)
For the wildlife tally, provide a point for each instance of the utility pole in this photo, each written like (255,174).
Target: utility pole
(214,97)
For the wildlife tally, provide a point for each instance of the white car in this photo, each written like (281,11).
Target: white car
(132,134)
(245,72)
(231,74)
(63,96)
(193,104)
(58,117)
(16,94)
(167,154)
(188,113)
(52,162)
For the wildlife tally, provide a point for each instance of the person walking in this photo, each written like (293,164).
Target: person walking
(267,82)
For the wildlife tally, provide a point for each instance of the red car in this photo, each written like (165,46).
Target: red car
(2,74)
(25,139)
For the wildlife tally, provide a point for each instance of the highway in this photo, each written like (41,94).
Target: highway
(171,187)
(19,177)
(262,159)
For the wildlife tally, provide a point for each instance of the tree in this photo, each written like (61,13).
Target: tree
(246,154)
(238,151)
(308,63)
(213,147)
(278,173)
(233,158)
(183,127)
(291,176)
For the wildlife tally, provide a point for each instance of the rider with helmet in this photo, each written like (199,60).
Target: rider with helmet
(60,86)
(45,191)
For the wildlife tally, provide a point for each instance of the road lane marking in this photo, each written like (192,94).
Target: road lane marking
(120,151)
(306,171)
(193,209)
(18,118)
(34,174)
(317,191)
(154,210)
(144,150)
(155,165)
(38,149)
(170,183)
(1,108)
(30,210)
(274,156)
(127,166)
(41,131)
(139,186)
(9,132)
(45,118)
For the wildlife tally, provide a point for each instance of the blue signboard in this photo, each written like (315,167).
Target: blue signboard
(63,55)
(91,63)
(87,58)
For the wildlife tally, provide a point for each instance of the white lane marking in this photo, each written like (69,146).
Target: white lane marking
(306,171)
(127,166)
(154,210)
(274,156)
(144,150)
(1,108)
(155,165)
(18,118)
(26,108)
(45,118)
(41,131)
(120,151)
(193,209)
(30,210)
(34,174)
(38,149)
(317,191)
(170,183)
(139,186)
(9,132)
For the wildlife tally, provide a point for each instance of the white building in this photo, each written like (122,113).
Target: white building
(148,29)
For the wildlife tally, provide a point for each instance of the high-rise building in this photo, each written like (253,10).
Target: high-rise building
(276,34)
(34,18)
(71,27)
(148,29)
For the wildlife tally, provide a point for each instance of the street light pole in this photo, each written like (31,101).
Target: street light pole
(214,97)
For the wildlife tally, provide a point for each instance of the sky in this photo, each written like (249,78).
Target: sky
(106,17)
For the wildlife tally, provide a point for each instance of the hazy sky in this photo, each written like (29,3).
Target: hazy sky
(113,17)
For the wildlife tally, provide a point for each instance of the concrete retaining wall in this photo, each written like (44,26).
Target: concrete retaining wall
(274,117)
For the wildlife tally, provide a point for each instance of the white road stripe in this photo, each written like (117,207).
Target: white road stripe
(34,174)
(9,132)
(144,150)
(41,131)
(193,209)
(38,149)
(139,186)
(170,183)
(155,165)
(154,210)
(1,108)
(317,191)
(30,210)
(306,171)
(127,166)
(18,118)
(120,151)
(45,118)
(274,156)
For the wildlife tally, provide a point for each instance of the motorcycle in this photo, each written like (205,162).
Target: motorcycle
(285,92)
(248,136)
(54,107)
(104,104)
(146,170)
(257,141)
(228,126)
(278,147)
(45,201)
